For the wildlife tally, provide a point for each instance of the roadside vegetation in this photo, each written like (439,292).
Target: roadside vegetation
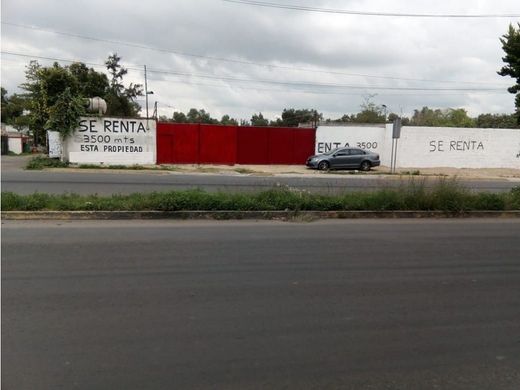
(446,195)
(42,162)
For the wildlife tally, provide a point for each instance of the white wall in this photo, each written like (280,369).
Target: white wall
(424,147)
(430,147)
(112,141)
(372,138)
(15,145)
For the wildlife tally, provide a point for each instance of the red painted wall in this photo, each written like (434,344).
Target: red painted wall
(216,144)
(304,143)
(177,143)
(252,145)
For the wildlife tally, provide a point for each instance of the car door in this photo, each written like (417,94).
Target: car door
(356,157)
(340,159)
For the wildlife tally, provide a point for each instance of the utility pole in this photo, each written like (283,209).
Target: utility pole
(146,90)
(146,93)
(154,115)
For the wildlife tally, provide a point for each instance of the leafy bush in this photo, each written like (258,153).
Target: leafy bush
(41,162)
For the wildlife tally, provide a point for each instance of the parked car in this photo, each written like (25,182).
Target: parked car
(344,158)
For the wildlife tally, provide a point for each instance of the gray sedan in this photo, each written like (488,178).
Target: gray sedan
(344,158)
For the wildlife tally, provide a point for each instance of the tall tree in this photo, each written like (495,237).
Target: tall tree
(511,46)
(46,87)
(55,96)
(91,83)
(121,99)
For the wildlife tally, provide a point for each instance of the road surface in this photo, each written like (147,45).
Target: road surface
(405,304)
(113,181)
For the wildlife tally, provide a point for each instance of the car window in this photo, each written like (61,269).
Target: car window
(342,152)
(331,152)
(356,152)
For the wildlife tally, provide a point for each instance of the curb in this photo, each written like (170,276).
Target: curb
(222,215)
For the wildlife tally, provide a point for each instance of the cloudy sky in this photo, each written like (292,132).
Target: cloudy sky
(238,59)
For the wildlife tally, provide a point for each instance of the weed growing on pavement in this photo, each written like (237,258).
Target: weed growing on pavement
(244,171)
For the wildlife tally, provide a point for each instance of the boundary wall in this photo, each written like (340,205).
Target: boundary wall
(180,143)
(110,141)
(429,147)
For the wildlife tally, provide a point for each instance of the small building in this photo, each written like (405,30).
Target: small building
(13,140)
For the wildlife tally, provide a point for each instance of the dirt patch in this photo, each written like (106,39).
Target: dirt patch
(301,170)
(15,163)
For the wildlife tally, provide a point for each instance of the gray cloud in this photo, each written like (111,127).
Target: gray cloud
(447,49)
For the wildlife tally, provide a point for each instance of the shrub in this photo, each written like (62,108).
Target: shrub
(41,162)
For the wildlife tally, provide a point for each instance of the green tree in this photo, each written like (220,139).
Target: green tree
(458,117)
(226,120)
(427,117)
(120,99)
(370,113)
(45,87)
(451,117)
(259,120)
(511,46)
(200,116)
(179,117)
(91,83)
(497,121)
(293,117)
(65,113)
(50,90)
(12,109)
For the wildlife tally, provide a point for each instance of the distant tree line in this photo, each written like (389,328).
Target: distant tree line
(290,117)
(369,114)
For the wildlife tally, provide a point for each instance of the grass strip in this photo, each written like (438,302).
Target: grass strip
(446,195)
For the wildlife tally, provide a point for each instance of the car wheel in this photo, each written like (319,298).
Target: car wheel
(365,166)
(323,166)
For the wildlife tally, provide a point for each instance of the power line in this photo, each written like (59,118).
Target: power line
(285,91)
(290,83)
(366,13)
(241,62)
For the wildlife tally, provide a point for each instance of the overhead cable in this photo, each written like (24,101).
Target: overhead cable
(366,13)
(235,61)
(289,83)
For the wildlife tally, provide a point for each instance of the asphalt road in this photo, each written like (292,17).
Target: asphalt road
(110,182)
(406,304)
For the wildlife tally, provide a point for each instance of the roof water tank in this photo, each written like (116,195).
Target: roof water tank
(96,104)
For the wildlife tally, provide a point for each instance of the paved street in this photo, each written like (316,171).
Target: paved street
(113,181)
(361,304)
